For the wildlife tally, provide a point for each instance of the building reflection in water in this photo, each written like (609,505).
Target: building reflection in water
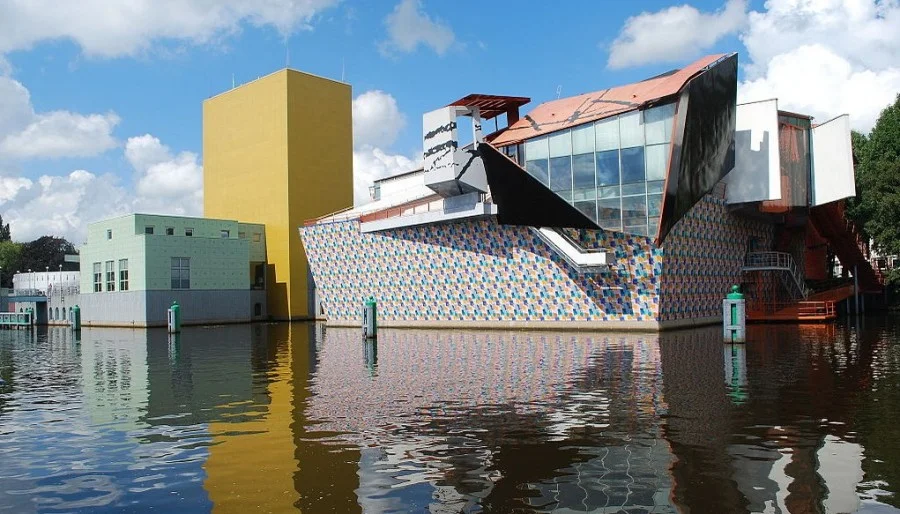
(276,417)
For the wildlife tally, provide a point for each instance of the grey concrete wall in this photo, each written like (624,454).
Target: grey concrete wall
(56,304)
(200,307)
(122,308)
(259,296)
(150,308)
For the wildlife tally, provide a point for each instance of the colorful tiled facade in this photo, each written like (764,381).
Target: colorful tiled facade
(481,271)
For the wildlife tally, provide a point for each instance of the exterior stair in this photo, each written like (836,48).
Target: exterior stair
(791,277)
(848,244)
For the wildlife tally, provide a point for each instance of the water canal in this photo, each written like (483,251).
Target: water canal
(274,418)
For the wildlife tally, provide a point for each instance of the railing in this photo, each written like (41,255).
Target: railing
(53,291)
(15,318)
(407,209)
(761,261)
(805,309)
(27,292)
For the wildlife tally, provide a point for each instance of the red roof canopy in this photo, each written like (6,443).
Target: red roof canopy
(577,110)
(491,106)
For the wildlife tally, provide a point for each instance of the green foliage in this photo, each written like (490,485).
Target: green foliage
(4,231)
(876,207)
(10,260)
(46,252)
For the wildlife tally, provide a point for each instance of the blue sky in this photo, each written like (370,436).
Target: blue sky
(117,92)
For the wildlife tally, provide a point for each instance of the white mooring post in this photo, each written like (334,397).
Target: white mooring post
(734,317)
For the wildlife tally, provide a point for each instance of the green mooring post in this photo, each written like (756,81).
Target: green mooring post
(76,318)
(734,316)
(174,318)
(370,319)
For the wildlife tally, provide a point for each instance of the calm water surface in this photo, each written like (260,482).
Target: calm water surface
(275,418)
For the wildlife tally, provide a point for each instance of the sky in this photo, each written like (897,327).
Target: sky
(101,100)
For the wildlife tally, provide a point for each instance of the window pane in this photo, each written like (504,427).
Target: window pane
(583,170)
(561,176)
(631,130)
(607,134)
(610,214)
(536,149)
(583,139)
(176,284)
(635,188)
(655,187)
(609,192)
(538,170)
(633,164)
(658,123)
(589,209)
(634,214)
(608,168)
(654,204)
(657,160)
(561,144)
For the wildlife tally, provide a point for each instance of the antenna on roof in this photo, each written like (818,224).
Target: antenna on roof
(558,91)
(342,69)
(287,56)
(232,81)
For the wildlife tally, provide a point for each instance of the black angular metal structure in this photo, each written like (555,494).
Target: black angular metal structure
(703,141)
(522,200)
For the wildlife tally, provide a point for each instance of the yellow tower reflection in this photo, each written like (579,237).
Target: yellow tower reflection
(251,462)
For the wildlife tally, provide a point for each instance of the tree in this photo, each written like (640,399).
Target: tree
(4,231)
(46,252)
(876,207)
(10,260)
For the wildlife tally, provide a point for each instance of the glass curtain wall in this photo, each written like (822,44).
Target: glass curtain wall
(613,170)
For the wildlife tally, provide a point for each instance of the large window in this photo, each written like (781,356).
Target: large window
(613,171)
(181,273)
(98,278)
(536,153)
(110,276)
(123,274)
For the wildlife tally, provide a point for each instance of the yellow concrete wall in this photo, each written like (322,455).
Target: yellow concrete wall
(278,151)
(320,161)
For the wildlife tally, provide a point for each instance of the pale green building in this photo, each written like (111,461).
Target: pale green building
(134,266)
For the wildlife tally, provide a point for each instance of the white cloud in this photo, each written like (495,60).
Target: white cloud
(818,57)
(26,134)
(376,119)
(674,34)
(112,29)
(165,183)
(371,163)
(825,57)
(409,26)
(62,134)
(60,205)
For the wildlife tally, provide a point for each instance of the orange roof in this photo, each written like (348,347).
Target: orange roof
(577,110)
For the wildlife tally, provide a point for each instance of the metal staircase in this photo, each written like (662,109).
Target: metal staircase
(847,242)
(790,276)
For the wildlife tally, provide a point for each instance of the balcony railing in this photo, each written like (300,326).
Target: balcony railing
(777,261)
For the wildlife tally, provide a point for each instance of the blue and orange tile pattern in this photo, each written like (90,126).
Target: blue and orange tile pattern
(478,270)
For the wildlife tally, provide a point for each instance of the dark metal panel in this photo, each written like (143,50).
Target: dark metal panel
(523,200)
(703,142)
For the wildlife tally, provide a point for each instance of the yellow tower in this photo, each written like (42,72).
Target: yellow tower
(279,151)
